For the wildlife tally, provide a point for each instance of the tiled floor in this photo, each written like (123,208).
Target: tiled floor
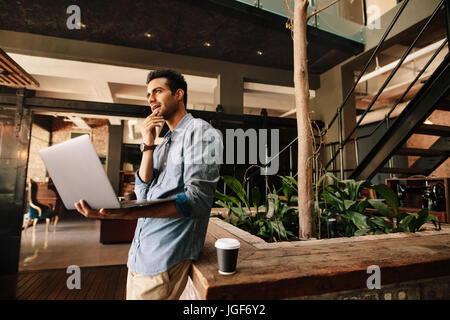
(74,242)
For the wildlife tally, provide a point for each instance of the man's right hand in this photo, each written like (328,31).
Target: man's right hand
(148,128)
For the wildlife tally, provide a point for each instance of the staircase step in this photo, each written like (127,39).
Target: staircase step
(421,152)
(402,170)
(443,107)
(434,130)
(443,104)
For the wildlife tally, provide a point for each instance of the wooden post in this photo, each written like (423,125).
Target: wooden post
(305,136)
(305,198)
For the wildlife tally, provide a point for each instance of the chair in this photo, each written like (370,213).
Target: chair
(38,211)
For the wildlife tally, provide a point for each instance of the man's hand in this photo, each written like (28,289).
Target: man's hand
(149,125)
(85,210)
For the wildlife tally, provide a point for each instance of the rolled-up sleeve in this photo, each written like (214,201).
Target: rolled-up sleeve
(141,188)
(203,153)
(182,204)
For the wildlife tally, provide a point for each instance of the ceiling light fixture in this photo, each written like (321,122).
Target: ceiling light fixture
(148,35)
(416,55)
(259,53)
(207,44)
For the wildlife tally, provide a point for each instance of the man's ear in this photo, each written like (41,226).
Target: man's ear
(179,94)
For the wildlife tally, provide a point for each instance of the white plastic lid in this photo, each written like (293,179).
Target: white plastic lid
(227,243)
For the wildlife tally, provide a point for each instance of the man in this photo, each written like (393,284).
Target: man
(169,235)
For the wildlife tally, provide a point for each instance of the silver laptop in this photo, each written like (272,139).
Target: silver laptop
(77,172)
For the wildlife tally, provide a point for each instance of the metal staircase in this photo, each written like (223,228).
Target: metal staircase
(433,95)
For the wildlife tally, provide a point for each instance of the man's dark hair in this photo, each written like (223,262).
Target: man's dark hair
(175,81)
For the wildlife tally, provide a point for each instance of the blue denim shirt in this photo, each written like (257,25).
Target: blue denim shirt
(185,166)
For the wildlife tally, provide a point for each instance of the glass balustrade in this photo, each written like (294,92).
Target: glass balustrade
(344,19)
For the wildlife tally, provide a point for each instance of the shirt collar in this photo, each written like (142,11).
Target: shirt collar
(180,125)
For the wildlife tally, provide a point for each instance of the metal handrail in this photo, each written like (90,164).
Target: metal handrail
(387,116)
(374,53)
(406,92)
(271,159)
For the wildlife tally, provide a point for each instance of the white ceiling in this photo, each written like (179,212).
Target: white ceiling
(76,80)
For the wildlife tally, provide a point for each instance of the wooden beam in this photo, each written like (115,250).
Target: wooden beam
(136,111)
(14,75)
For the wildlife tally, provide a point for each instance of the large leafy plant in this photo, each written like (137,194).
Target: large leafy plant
(356,215)
(342,200)
(273,220)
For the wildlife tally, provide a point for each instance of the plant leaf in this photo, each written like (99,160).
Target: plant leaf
(291,182)
(237,188)
(389,195)
(239,212)
(361,232)
(381,207)
(348,203)
(223,204)
(256,197)
(359,220)
(327,175)
(355,189)
(226,198)
(405,224)
(382,223)
(362,205)
(334,201)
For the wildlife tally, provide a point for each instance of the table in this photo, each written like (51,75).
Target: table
(48,195)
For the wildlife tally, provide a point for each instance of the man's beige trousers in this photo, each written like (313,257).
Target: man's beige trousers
(168,285)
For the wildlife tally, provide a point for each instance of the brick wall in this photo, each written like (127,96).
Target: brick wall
(60,132)
(423,289)
(40,138)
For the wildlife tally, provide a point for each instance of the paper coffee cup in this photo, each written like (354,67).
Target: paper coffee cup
(227,254)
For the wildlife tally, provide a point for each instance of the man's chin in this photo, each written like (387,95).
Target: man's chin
(166,114)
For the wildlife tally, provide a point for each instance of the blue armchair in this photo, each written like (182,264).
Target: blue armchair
(38,211)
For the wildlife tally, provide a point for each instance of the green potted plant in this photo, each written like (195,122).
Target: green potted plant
(274,220)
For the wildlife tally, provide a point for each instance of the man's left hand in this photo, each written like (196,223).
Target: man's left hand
(83,208)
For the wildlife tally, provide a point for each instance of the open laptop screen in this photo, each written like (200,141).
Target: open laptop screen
(77,172)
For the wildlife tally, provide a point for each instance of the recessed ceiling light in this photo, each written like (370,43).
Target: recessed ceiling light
(207,44)
(81,24)
(148,35)
(259,53)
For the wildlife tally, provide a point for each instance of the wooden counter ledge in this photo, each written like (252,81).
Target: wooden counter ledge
(289,270)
